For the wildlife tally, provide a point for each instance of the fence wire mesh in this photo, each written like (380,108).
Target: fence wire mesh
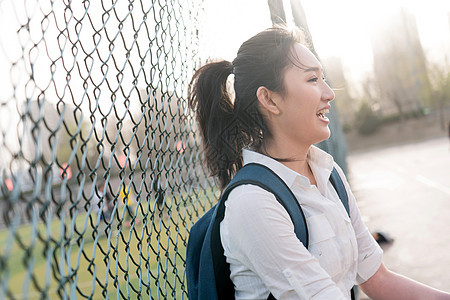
(100,170)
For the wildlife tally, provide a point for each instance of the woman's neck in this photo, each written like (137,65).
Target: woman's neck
(294,157)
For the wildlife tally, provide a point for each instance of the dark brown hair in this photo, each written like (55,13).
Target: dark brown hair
(226,125)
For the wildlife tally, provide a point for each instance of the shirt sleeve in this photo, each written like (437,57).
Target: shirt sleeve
(370,254)
(260,234)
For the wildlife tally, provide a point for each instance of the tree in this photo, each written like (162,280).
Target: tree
(440,81)
(366,121)
(400,66)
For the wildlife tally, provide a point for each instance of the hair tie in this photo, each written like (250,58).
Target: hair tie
(233,68)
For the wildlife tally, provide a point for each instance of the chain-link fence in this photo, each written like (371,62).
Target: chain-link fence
(99,160)
(101,174)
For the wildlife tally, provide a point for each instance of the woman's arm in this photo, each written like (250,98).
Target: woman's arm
(387,285)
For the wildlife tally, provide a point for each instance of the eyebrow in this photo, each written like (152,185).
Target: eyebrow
(313,69)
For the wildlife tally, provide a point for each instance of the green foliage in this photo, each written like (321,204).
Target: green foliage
(440,80)
(394,118)
(366,121)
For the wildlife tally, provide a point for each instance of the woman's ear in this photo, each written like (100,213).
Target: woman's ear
(267,99)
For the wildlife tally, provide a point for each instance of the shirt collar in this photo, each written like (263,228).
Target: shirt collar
(320,162)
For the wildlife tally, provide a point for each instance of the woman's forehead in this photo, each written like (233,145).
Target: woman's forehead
(305,59)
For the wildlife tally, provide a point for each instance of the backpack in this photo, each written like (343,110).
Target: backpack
(207,272)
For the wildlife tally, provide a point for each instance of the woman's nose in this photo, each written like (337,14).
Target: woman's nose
(328,93)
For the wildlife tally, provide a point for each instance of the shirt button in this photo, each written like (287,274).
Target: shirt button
(287,273)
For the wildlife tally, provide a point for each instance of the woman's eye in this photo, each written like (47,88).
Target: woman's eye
(313,79)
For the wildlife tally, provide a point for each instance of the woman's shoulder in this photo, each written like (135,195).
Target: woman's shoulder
(250,192)
(248,197)
(250,205)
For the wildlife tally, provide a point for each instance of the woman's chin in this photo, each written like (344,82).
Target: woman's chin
(325,136)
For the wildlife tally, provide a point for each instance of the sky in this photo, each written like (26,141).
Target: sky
(340,28)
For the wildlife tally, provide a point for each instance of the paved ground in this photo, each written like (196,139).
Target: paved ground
(405,191)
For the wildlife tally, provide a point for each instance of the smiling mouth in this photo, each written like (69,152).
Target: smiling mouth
(321,114)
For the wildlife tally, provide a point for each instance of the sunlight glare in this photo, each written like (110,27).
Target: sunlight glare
(345,29)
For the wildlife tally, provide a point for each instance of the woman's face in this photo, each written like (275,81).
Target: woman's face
(305,100)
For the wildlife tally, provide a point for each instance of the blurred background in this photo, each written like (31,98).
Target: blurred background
(387,61)
(101,174)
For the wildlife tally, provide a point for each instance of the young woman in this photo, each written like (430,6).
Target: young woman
(277,114)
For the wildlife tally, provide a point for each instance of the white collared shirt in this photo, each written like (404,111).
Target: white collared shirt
(266,256)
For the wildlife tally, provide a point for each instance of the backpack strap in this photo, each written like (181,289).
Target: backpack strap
(338,185)
(265,178)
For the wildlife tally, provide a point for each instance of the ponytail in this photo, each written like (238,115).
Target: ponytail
(209,98)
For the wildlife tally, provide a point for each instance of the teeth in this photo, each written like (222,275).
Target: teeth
(323,112)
